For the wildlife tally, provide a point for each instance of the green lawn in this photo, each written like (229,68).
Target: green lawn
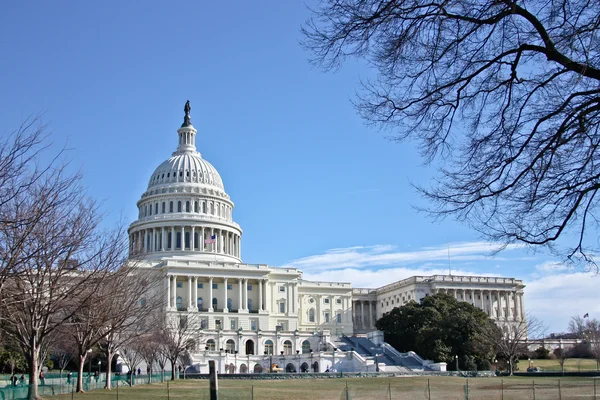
(359,389)
(571,364)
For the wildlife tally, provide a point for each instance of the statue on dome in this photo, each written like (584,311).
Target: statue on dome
(187,119)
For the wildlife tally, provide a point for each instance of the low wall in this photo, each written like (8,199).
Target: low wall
(329,375)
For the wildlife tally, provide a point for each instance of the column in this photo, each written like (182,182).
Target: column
(195,283)
(260,295)
(168,291)
(370,315)
(183,238)
(354,322)
(189,293)
(174,292)
(347,303)
(518,315)
(362,314)
(173,242)
(221,236)
(245,293)
(225,295)
(508,308)
(212,232)
(239,247)
(210,294)
(318,316)
(192,241)
(162,238)
(240,297)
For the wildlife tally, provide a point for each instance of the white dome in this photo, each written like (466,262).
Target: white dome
(186,167)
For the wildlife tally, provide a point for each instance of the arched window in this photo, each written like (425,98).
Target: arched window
(187,239)
(178,241)
(311,315)
(195,206)
(155,208)
(305,347)
(195,240)
(170,206)
(199,303)
(338,318)
(214,303)
(204,207)
(179,206)
(187,206)
(218,210)
(212,208)
(230,346)
(229,307)
(287,348)
(163,207)
(179,303)
(269,347)
(145,210)
(210,345)
(249,304)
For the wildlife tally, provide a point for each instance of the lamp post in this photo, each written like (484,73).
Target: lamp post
(529,364)
(89,354)
(456,358)
(333,364)
(376,363)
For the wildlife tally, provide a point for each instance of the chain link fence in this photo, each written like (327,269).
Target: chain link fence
(408,388)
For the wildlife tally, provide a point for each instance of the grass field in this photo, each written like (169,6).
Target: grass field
(571,364)
(359,389)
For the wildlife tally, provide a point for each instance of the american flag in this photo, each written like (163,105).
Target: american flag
(212,239)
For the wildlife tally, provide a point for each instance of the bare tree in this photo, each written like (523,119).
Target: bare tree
(62,350)
(120,310)
(511,341)
(561,356)
(589,330)
(175,337)
(44,279)
(132,355)
(506,92)
(149,350)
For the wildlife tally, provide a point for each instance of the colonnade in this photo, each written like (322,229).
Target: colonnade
(364,314)
(192,293)
(498,304)
(185,238)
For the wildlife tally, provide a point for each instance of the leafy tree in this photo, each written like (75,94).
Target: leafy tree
(439,328)
(506,93)
(589,330)
(541,353)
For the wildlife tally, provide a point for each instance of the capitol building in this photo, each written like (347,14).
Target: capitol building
(250,316)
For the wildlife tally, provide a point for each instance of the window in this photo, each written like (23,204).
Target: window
(215,302)
(311,300)
(200,285)
(311,315)
(268,347)
(170,206)
(215,285)
(150,209)
(156,208)
(249,304)
(326,317)
(199,303)
(163,207)
(338,301)
(305,347)
(203,323)
(287,348)
(204,207)
(229,286)
(179,206)
(187,206)
(178,240)
(282,307)
(282,288)
(218,324)
(230,346)
(249,287)
(195,206)
(338,318)
(210,345)
(179,284)
(326,301)
(253,324)
(229,307)
(179,303)
(232,324)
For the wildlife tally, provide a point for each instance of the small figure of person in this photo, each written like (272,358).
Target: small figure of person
(327,370)
(96,376)
(22,380)
(139,372)
(13,380)
(42,378)
(69,376)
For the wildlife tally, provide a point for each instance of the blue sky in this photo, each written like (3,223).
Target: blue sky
(314,186)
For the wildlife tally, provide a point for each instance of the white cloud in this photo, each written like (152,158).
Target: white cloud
(360,257)
(552,266)
(554,299)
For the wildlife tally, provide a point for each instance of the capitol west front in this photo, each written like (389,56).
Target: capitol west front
(248,315)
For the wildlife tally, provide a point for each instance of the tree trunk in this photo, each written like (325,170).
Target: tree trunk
(173,369)
(32,392)
(163,374)
(510,366)
(109,357)
(80,373)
